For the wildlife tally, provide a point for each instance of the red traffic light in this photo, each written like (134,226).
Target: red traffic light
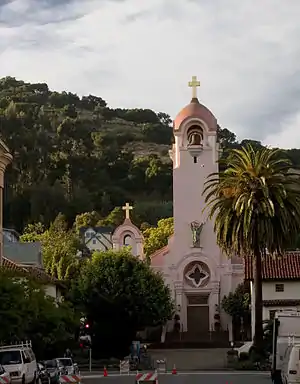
(81,345)
(87,325)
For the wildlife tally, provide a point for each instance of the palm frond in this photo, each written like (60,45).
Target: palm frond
(255,201)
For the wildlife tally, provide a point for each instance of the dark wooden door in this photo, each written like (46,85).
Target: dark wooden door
(198,319)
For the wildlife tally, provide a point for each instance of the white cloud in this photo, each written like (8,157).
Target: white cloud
(141,54)
(288,136)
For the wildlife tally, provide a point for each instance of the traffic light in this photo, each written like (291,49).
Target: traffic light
(85,342)
(87,325)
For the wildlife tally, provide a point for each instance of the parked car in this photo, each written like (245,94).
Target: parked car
(20,362)
(4,375)
(53,369)
(67,366)
(43,376)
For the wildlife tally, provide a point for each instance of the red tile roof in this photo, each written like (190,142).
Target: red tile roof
(29,270)
(286,267)
(11,265)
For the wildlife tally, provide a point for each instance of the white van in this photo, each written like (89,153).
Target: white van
(290,371)
(20,362)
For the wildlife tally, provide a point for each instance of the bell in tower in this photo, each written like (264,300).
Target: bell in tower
(195,139)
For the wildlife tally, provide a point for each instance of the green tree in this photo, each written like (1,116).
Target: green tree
(49,325)
(237,302)
(151,211)
(120,295)
(32,232)
(115,218)
(237,305)
(86,219)
(59,247)
(226,138)
(157,237)
(255,203)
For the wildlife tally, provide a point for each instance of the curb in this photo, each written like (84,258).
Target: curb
(248,373)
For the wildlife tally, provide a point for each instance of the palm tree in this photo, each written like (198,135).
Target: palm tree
(255,203)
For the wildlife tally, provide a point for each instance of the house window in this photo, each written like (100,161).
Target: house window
(279,287)
(94,241)
(272,314)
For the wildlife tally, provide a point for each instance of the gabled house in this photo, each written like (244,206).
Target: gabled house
(21,253)
(27,258)
(281,284)
(97,238)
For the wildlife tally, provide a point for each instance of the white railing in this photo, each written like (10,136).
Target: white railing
(23,344)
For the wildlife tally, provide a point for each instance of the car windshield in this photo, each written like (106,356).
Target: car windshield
(50,364)
(10,357)
(65,362)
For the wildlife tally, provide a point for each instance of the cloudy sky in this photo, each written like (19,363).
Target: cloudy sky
(138,53)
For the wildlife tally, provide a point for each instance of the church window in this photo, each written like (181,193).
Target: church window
(279,287)
(89,234)
(197,275)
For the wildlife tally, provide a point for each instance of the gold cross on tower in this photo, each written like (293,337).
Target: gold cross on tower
(127,208)
(194,84)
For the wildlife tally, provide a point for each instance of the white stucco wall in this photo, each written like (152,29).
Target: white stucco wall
(291,292)
(188,203)
(53,291)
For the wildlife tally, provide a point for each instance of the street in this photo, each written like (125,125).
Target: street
(190,378)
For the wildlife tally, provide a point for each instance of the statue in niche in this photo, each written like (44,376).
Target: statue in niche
(196,228)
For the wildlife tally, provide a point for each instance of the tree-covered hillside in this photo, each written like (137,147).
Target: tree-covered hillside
(74,155)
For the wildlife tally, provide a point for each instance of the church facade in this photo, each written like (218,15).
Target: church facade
(198,273)
(193,266)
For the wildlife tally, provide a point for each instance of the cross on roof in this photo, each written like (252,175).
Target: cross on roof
(194,84)
(127,208)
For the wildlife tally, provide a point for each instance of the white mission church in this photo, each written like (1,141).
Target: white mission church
(192,264)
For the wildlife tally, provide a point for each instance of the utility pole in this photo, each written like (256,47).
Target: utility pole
(5,159)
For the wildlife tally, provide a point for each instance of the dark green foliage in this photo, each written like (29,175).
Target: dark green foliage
(237,303)
(75,155)
(27,314)
(120,295)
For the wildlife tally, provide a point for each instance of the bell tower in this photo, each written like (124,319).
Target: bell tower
(195,156)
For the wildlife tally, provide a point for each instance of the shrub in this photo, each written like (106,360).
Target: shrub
(244,356)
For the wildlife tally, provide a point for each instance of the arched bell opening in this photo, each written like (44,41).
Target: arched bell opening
(195,135)
(195,141)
